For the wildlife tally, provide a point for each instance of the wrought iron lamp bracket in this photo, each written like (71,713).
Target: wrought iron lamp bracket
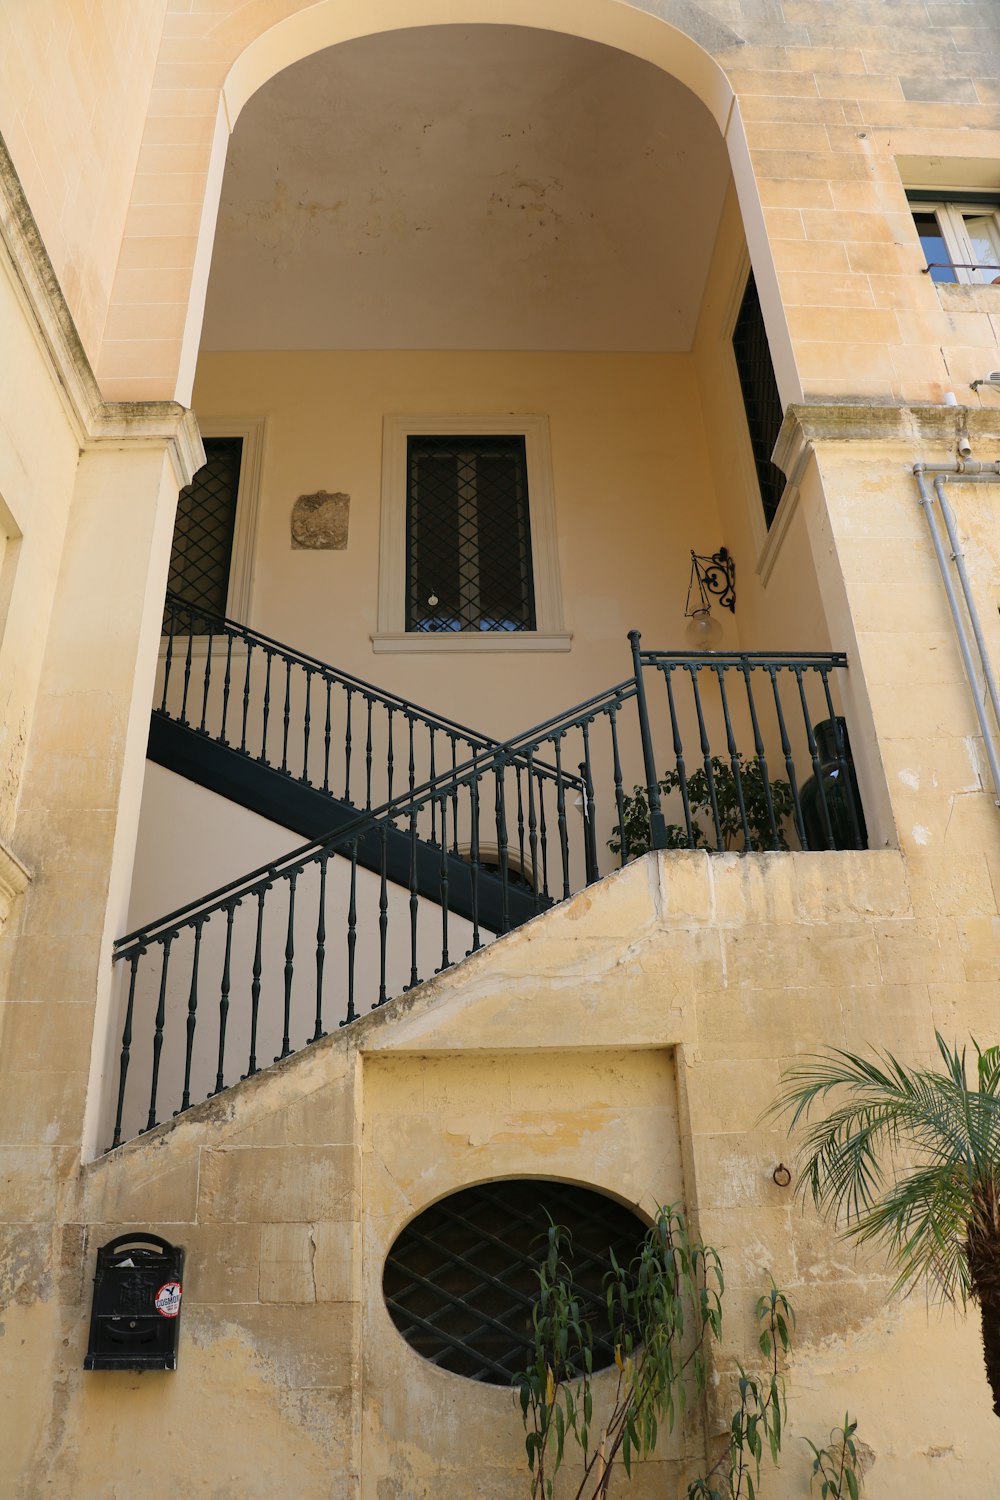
(712,577)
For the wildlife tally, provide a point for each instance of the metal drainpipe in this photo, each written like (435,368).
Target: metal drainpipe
(969,471)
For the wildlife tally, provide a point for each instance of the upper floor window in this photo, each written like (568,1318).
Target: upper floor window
(761,400)
(467,548)
(960,236)
(468,536)
(202,548)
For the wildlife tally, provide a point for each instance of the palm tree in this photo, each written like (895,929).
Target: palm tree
(909,1159)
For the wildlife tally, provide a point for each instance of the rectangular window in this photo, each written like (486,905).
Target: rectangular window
(202,551)
(960,236)
(761,400)
(468,537)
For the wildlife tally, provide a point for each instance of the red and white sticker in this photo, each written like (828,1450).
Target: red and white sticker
(168,1299)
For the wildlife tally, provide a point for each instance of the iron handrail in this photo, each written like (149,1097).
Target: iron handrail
(223,625)
(377,899)
(503,753)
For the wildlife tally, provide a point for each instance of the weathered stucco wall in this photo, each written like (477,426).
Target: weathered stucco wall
(629,1039)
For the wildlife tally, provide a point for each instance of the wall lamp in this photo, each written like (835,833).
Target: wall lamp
(711,578)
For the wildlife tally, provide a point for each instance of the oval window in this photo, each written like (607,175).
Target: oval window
(462,1277)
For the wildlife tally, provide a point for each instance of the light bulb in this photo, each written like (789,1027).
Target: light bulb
(703,631)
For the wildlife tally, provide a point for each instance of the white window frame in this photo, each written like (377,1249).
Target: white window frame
(391,635)
(951,216)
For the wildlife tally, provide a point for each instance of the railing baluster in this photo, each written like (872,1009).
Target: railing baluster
(543,834)
(443,887)
(433,777)
(286,715)
(224,993)
(306,723)
(161,1012)
(474,859)
(624,851)
(268,657)
(761,753)
(589,809)
(679,762)
(320,947)
(561,815)
(411,777)
(168,659)
(499,772)
(657,827)
(327,735)
(246,698)
(208,679)
(368,757)
(289,970)
(520,821)
(389,759)
(536,881)
(706,756)
(454,800)
(347,748)
(352,934)
(188,654)
(258,963)
(734,757)
(414,902)
(192,1015)
(226,684)
(786,749)
(126,1051)
(383,913)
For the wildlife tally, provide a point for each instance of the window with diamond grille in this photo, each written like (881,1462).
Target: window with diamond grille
(203,532)
(468,538)
(760,396)
(461,1279)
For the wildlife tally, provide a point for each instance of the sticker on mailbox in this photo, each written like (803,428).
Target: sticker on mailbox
(168,1299)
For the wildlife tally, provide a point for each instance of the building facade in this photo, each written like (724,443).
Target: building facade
(491,320)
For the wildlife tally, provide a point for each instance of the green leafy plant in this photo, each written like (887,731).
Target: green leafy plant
(836,1467)
(761,1413)
(718,819)
(908,1158)
(660,1311)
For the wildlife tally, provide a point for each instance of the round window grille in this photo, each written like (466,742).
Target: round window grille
(461,1279)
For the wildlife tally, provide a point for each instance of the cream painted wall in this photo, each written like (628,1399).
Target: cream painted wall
(74,93)
(38,459)
(633,446)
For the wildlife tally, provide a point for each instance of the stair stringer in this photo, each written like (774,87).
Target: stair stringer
(569,1049)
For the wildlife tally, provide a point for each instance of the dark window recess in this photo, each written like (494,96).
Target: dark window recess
(461,1279)
(760,396)
(203,532)
(468,538)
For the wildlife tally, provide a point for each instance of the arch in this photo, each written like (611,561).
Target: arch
(633,27)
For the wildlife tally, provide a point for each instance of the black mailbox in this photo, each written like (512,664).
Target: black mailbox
(137,1304)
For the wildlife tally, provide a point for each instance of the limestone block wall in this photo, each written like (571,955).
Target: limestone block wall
(629,1040)
(74,95)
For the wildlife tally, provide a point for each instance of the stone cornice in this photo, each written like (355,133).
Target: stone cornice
(95,422)
(924,431)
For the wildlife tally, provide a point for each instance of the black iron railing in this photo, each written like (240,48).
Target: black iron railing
(299,715)
(745,751)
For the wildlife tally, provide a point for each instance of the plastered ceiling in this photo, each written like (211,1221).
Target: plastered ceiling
(466,187)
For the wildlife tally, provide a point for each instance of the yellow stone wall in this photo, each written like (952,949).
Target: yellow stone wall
(630,1039)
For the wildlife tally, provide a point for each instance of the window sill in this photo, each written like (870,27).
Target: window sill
(389,642)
